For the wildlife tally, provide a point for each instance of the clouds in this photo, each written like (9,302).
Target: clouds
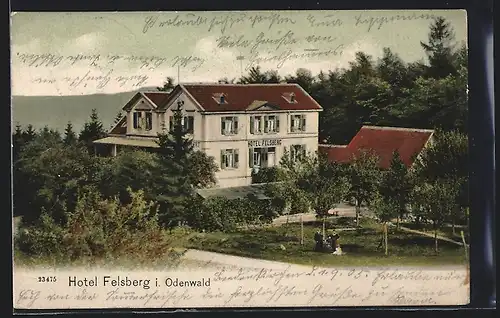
(193,51)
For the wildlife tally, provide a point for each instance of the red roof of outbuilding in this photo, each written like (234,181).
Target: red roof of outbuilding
(383,141)
(238,97)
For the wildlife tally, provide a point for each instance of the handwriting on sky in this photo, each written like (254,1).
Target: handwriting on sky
(256,287)
(273,39)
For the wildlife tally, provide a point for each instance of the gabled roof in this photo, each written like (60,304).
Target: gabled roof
(383,141)
(120,128)
(156,99)
(242,97)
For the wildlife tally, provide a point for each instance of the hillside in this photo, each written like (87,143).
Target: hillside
(56,111)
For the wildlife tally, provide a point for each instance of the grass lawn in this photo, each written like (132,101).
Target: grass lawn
(283,244)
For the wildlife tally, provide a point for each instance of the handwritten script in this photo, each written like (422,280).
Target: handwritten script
(213,44)
(224,286)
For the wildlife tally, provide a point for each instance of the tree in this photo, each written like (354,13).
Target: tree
(439,48)
(363,179)
(134,169)
(173,178)
(70,137)
(168,86)
(256,76)
(118,118)
(303,77)
(202,169)
(324,184)
(92,130)
(396,186)
(435,201)
(17,142)
(50,176)
(446,160)
(385,209)
(311,182)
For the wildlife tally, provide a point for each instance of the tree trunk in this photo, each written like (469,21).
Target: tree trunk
(324,230)
(397,222)
(435,239)
(301,229)
(357,213)
(385,238)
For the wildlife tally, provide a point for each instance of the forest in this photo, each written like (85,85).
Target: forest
(75,204)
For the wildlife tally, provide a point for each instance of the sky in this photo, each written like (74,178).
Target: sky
(79,53)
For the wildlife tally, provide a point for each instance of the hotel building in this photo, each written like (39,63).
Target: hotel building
(244,127)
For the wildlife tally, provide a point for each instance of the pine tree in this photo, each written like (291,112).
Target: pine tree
(168,86)
(440,49)
(92,130)
(173,186)
(69,135)
(17,142)
(117,119)
(29,134)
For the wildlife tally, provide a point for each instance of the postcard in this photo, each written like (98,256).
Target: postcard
(239,159)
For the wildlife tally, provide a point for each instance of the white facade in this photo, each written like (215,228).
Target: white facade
(239,141)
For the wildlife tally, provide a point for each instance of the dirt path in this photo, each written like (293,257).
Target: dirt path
(442,238)
(212,259)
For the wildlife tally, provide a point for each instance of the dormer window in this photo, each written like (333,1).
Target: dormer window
(220,98)
(290,97)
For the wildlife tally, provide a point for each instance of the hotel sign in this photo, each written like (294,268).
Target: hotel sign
(264,143)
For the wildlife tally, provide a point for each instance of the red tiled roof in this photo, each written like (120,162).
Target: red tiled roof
(383,141)
(157,97)
(239,97)
(120,128)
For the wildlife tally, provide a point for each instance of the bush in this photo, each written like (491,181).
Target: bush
(99,229)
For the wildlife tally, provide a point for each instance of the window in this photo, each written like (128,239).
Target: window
(297,152)
(143,120)
(229,125)
(297,123)
(262,157)
(272,124)
(220,98)
(256,125)
(229,158)
(149,120)
(137,120)
(266,124)
(290,97)
(187,123)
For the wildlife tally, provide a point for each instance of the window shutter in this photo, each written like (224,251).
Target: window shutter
(222,159)
(235,125)
(236,158)
(171,123)
(191,124)
(291,122)
(250,157)
(222,126)
(252,123)
(135,120)
(149,120)
(266,124)
(303,123)
(277,123)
